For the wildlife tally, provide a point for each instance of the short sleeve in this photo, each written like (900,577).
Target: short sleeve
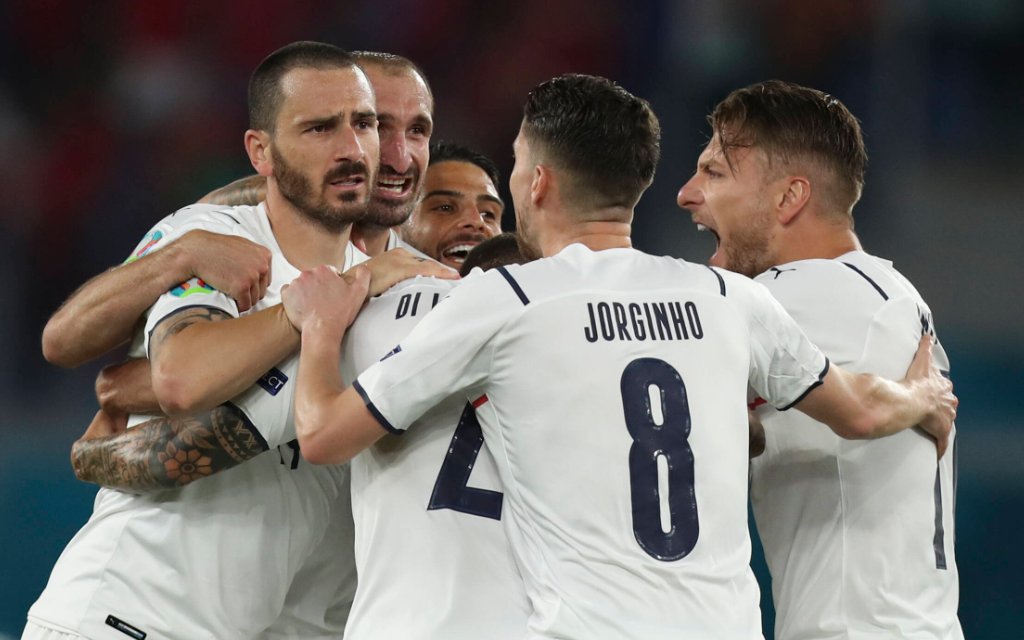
(784,364)
(268,404)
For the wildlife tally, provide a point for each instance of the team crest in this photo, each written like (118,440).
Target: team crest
(192,287)
(150,241)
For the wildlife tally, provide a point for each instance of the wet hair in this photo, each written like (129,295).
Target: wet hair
(444,150)
(792,124)
(501,250)
(265,95)
(393,64)
(607,140)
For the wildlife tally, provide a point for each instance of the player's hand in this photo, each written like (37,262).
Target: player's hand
(937,391)
(233,265)
(391,267)
(127,387)
(325,298)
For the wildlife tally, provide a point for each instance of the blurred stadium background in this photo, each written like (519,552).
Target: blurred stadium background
(114,113)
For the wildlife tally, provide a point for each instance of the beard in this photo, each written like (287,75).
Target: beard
(386,212)
(297,189)
(525,237)
(749,250)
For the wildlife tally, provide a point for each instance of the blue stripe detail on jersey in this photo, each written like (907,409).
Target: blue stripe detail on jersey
(273,381)
(815,385)
(249,425)
(225,213)
(939,541)
(870,281)
(374,411)
(721,281)
(515,285)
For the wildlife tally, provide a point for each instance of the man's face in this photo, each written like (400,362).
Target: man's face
(404,111)
(325,146)
(519,184)
(734,205)
(459,210)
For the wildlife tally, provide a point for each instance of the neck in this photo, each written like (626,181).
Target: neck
(596,235)
(820,241)
(305,243)
(370,238)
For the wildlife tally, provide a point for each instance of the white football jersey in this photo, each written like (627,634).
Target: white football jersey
(432,556)
(610,388)
(858,534)
(229,556)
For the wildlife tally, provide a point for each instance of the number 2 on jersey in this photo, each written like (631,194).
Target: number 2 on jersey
(652,441)
(450,489)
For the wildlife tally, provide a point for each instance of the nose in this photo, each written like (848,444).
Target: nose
(472,218)
(394,153)
(348,145)
(689,194)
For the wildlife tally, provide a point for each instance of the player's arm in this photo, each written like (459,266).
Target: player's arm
(392,267)
(332,422)
(757,439)
(250,190)
(164,453)
(103,313)
(860,405)
(127,388)
(202,356)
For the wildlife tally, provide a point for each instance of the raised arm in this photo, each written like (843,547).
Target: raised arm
(332,421)
(860,405)
(164,453)
(103,313)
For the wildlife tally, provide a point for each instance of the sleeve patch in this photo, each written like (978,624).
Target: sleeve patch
(273,381)
(150,241)
(192,287)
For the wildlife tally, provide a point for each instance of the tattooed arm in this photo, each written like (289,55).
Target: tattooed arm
(202,357)
(164,453)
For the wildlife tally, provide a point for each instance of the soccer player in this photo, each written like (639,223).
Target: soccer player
(432,557)
(609,386)
(253,550)
(460,207)
(858,535)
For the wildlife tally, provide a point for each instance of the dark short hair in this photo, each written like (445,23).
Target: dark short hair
(265,96)
(395,64)
(606,138)
(445,150)
(501,250)
(790,122)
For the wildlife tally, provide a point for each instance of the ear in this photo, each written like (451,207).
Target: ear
(540,187)
(791,199)
(257,145)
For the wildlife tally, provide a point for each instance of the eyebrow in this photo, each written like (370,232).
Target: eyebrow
(334,118)
(458,194)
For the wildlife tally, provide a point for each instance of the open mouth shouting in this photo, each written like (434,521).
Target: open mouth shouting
(392,185)
(701,226)
(454,252)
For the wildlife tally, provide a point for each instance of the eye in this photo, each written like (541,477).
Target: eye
(445,207)
(418,130)
(365,124)
(318,128)
(489,215)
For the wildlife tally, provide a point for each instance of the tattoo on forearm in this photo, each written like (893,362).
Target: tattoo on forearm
(178,322)
(166,453)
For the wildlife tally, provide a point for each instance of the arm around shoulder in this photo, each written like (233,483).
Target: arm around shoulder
(860,405)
